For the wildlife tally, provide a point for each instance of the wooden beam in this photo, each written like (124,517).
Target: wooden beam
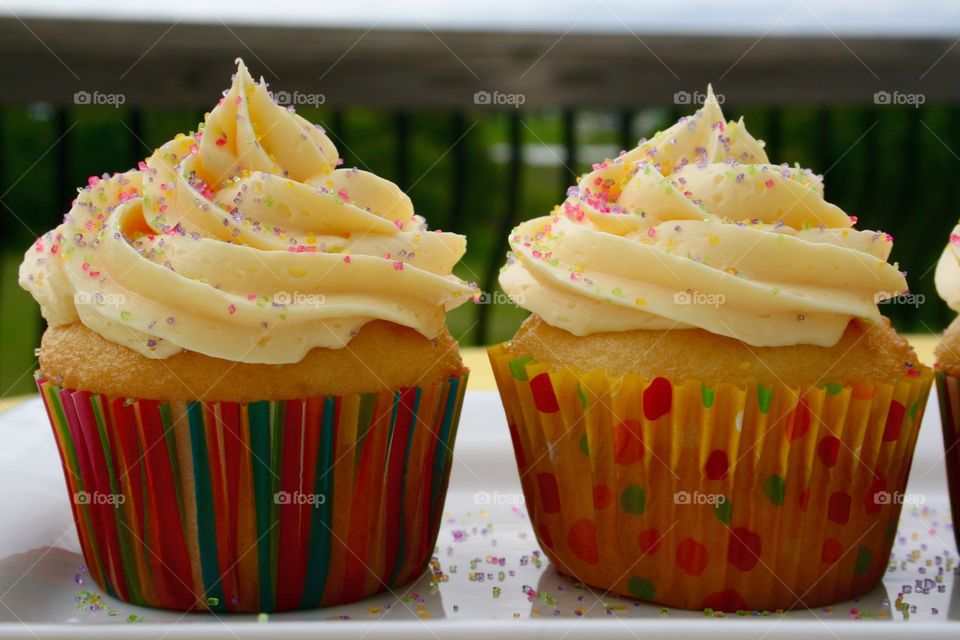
(155,64)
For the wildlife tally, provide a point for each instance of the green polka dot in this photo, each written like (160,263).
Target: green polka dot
(891,528)
(913,409)
(707,394)
(633,499)
(864,556)
(641,588)
(764,396)
(585,445)
(774,489)
(582,396)
(832,388)
(724,511)
(518,367)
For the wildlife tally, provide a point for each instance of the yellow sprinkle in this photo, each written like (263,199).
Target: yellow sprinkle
(713,239)
(639,302)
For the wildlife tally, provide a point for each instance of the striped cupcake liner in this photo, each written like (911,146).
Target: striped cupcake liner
(261,506)
(730,497)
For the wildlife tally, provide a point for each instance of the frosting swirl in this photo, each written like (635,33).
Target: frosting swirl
(244,242)
(695,228)
(947,277)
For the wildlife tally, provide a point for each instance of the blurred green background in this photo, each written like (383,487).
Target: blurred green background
(893,167)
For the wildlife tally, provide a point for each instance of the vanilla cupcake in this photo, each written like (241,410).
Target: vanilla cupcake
(247,368)
(707,408)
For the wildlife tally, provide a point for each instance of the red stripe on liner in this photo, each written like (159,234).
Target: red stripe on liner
(292,560)
(173,563)
(398,450)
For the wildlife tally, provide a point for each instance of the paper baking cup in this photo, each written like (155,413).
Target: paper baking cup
(261,506)
(724,497)
(948,393)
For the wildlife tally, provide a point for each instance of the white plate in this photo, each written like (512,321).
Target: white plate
(487,552)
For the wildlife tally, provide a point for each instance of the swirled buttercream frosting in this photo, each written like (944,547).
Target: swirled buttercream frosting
(695,228)
(244,241)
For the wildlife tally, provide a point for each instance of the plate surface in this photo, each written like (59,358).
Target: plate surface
(491,578)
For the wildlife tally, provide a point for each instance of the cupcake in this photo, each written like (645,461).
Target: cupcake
(247,368)
(947,367)
(706,406)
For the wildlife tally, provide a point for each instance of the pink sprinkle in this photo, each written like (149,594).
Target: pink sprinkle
(142,166)
(38,246)
(55,248)
(954,238)
(398,266)
(853,219)
(251,297)
(652,232)
(346,259)
(344,195)
(93,181)
(221,142)
(232,309)
(193,149)
(574,275)
(85,266)
(94,274)
(769,183)
(238,100)
(399,224)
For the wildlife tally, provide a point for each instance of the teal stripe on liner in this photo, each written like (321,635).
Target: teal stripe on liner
(278,431)
(403,487)
(258,417)
(441,452)
(321,525)
(206,522)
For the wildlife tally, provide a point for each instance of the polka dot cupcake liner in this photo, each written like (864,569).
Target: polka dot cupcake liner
(260,506)
(725,497)
(948,393)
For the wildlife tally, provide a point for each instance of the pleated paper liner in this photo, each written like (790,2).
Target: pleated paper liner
(263,506)
(723,497)
(948,393)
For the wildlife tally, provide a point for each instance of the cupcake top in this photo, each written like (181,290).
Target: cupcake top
(947,277)
(244,241)
(695,228)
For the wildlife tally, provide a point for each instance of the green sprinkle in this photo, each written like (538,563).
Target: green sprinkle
(126,316)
